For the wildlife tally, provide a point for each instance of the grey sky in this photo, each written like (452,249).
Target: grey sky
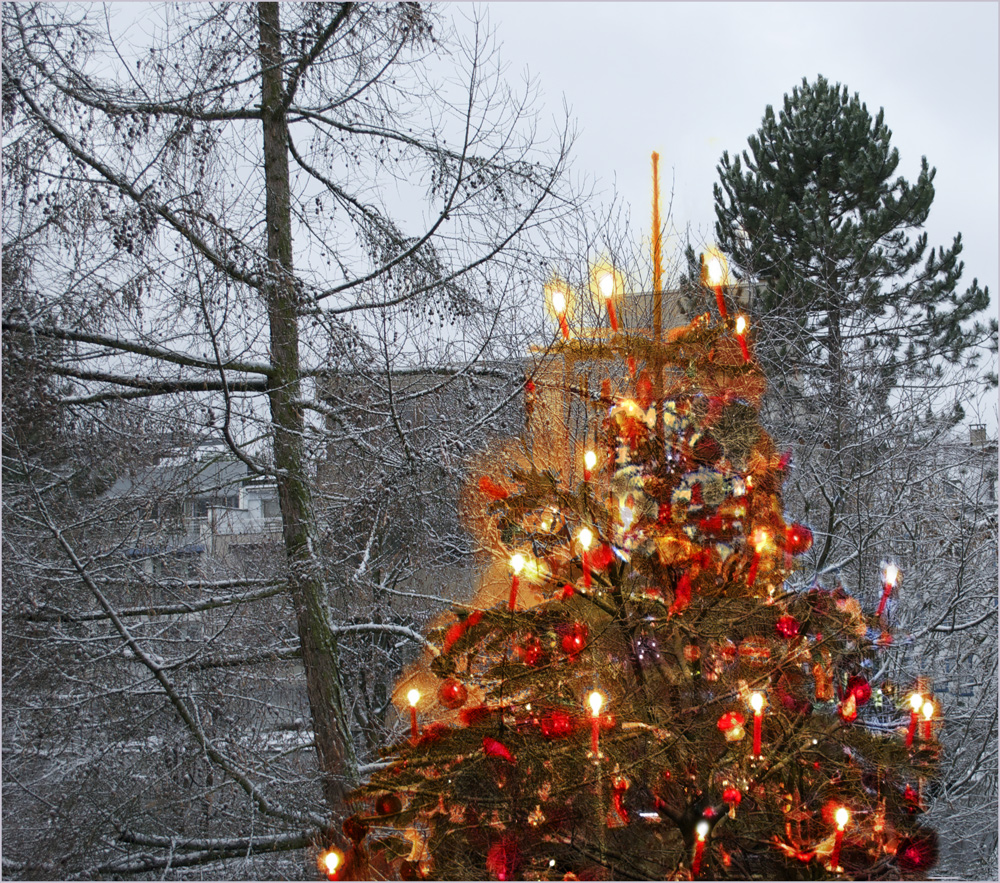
(692,79)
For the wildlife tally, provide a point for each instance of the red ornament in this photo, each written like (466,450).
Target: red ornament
(787,626)
(731,719)
(798,539)
(452,693)
(732,797)
(493,748)
(556,724)
(859,688)
(917,853)
(533,653)
(574,639)
(388,805)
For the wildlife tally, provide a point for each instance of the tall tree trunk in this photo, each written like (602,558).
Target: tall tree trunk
(334,746)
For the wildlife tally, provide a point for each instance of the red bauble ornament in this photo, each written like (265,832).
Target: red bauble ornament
(533,654)
(731,719)
(556,724)
(574,639)
(918,853)
(732,795)
(787,626)
(860,688)
(388,805)
(452,693)
(530,651)
(798,539)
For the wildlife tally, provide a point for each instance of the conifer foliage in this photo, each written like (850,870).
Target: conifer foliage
(657,691)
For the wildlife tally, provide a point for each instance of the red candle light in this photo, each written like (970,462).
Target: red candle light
(928,710)
(413,697)
(586,537)
(843,817)
(701,830)
(757,704)
(606,285)
(589,462)
(741,328)
(916,700)
(331,862)
(557,295)
(596,700)
(715,267)
(517,565)
(891,573)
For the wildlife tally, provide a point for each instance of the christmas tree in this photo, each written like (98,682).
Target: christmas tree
(646,687)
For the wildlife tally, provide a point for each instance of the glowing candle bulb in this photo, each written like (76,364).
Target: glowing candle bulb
(558,301)
(716,269)
(589,462)
(891,574)
(928,710)
(842,817)
(741,337)
(701,830)
(757,704)
(331,861)
(916,700)
(596,700)
(413,697)
(517,563)
(606,285)
(586,537)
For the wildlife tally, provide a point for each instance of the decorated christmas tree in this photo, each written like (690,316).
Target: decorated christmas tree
(647,686)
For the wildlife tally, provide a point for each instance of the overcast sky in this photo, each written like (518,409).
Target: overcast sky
(690,80)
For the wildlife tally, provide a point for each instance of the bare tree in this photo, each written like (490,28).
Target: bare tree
(302,231)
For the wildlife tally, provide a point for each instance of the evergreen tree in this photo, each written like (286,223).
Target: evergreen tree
(643,689)
(855,314)
(820,219)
